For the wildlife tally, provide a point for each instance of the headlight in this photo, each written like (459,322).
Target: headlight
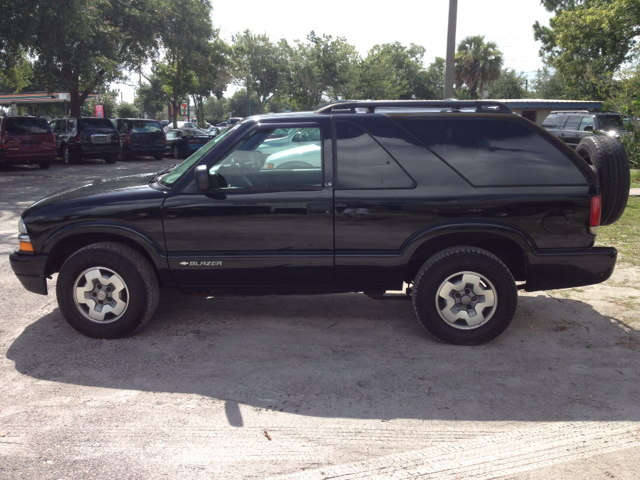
(22,228)
(613,133)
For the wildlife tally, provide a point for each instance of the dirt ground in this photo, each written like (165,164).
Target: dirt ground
(312,387)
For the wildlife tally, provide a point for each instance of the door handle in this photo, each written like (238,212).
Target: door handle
(318,208)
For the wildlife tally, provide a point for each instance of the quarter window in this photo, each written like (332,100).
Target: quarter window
(363,164)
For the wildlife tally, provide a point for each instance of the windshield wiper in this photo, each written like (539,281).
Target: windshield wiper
(162,172)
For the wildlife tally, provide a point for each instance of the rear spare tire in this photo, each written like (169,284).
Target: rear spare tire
(608,157)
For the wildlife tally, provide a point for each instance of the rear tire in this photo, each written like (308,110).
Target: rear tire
(107,290)
(464,296)
(44,165)
(111,159)
(176,153)
(67,157)
(608,157)
(158,157)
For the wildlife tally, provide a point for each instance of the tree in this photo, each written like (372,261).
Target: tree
(127,110)
(433,84)
(509,85)
(588,41)
(548,83)
(476,64)
(260,65)
(184,33)
(319,68)
(80,44)
(212,73)
(150,98)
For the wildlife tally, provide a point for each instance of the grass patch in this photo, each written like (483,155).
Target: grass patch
(624,234)
(635,178)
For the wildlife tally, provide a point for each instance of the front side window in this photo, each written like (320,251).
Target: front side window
(265,159)
(587,122)
(573,122)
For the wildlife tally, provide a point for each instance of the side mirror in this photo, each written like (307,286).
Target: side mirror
(202,178)
(588,128)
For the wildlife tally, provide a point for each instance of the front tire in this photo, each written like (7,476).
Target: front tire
(176,153)
(464,296)
(67,157)
(107,290)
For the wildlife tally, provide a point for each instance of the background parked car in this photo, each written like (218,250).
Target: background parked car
(86,137)
(26,140)
(141,137)
(573,126)
(182,143)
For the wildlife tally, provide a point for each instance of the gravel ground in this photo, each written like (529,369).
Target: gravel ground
(307,387)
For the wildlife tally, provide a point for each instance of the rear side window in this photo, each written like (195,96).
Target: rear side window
(145,127)
(363,164)
(573,122)
(27,126)
(554,121)
(482,150)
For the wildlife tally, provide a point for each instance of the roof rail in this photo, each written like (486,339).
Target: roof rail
(569,112)
(350,106)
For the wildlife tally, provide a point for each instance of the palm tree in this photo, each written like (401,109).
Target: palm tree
(477,63)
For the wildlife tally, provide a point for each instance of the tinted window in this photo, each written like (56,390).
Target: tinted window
(554,121)
(573,122)
(97,125)
(363,164)
(27,126)
(139,126)
(483,150)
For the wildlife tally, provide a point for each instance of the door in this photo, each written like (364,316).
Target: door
(266,222)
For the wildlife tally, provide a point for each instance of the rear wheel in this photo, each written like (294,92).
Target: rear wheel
(67,157)
(158,157)
(111,159)
(465,296)
(608,157)
(107,290)
(44,165)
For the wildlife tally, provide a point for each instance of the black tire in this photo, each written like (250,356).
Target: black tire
(608,157)
(111,159)
(176,152)
(464,296)
(158,157)
(102,269)
(44,165)
(67,157)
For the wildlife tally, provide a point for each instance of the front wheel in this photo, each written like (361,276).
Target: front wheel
(465,296)
(107,290)
(67,157)
(176,153)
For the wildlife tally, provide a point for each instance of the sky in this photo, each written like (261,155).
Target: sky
(508,23)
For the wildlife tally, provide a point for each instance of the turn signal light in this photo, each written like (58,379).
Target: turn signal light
(26,246)
(596,212)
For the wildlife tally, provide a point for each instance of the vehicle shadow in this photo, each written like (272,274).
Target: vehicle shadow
(351,357)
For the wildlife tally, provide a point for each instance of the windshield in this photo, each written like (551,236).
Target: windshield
(170,178)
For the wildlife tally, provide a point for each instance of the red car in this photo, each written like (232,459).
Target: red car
(26,140)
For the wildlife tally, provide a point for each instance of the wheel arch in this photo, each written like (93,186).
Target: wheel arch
(509,245)
(61,245)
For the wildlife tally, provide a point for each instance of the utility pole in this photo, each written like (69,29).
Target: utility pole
(451,49)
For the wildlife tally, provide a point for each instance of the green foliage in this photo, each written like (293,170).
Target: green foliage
(321,67)
(150,99)
(216,110)
(184,35)
(260,66)
(16,76)
(623,235)
(80,44)
(127,110)
(549,84)
(509,85)
(477,63)
(587,42)
(239,106)
(108,100)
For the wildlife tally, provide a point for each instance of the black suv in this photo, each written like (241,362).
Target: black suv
(80,138)
(573,126)
(463,201)
(141,137)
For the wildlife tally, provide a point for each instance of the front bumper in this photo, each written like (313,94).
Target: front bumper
(569,268)
(30,270)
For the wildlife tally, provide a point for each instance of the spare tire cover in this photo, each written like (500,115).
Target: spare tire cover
(608,157)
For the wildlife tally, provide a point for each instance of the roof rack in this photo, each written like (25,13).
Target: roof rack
(370,106)
(569,112)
